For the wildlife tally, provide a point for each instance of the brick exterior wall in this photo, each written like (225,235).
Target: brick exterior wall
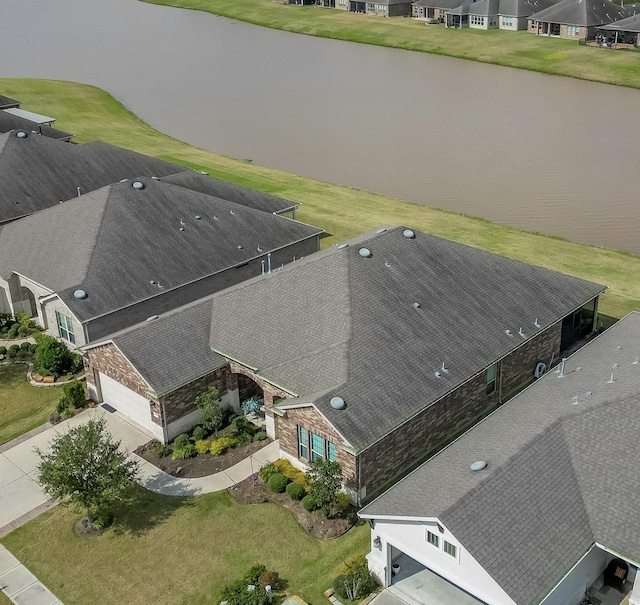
(179,403)
(313,421)
(110,361)
(269,392)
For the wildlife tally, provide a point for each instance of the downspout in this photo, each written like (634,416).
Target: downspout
(164,423)
(359,481)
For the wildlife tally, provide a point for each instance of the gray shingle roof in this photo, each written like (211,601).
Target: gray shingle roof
(560,475)
(131,237)
(629,24)
(39,172)
(581,12)
(341,324)
(8,102)
(445,4)
(510,8)
(10,122)
(230,191)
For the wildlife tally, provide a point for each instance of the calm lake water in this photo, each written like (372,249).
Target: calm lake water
(538,152)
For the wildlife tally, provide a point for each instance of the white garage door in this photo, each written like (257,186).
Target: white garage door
(129,403)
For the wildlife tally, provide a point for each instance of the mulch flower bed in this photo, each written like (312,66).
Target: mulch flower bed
(203,464)
(253,491)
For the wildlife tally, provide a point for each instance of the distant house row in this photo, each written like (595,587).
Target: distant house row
(571,19)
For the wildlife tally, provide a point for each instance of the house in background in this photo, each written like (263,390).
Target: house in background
(386,8)
(372,353)
(496,14)
(535,504)
(147,247)
(434,9)
(576,19)
(9,122)
(8,103)
(626,31)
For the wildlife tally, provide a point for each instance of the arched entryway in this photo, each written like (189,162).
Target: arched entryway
(28,302)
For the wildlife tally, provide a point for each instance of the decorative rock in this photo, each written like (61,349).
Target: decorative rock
(49,379)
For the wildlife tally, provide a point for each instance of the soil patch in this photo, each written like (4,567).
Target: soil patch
(203,464)
(250,492)
(85,529)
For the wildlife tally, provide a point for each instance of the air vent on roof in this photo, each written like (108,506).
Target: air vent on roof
(408,233)
(239,247)
(181,228)
(416,305)
(198,217)
(479,465)
(123,180)
(21,134)
(203,172)
(379,231)
(155,178)
(365,252)
(337,403)
(81,294)
(343,246)
(508,332)
(152,318)
(536,323)
(137,185)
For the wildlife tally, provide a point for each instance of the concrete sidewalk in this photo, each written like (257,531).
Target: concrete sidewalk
(20,585)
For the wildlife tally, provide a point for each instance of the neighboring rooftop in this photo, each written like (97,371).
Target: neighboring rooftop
(511,8)
(139,239)
(9,122)
(8,102)
(561,461)
(374,321)
(446,4)
(629,24)
(38,118)
(582,12)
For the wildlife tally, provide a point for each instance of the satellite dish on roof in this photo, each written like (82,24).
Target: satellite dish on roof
(337,403)
(80,294)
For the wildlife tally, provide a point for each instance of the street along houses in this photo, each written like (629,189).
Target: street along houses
(147,247)
(536,504)
(373,353)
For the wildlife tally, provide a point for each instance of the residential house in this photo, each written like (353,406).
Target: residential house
(384,8)
(146,247)
(496,14)
(575,19)
(531,505)
(9,122)
(625,31)
(373,353)
(434,9)
(8,103)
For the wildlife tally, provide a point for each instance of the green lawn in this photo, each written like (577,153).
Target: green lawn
(22,406)
(178,551)
(344,212)
(4,600)
(514,49)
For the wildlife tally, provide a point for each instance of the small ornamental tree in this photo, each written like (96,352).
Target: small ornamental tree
(325,480)
(211,414)
(52,356)
(85,468)
(251,406)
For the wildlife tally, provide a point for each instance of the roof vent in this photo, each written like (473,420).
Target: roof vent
(479,465)
(239,247)
(152,318)
(536,323)
(81,294)
(343,246)
(155,178)
(337,403)
(409,234)
(437,374)
(181,228)
(203,172)
(137,185)
(416,305)
(21,134)
(231,212)
(521,333)
(123,180)
(379,231)
(365,253)
(508,332)
(198,217)
(153,282)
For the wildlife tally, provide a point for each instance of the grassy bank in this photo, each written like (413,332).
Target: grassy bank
(169,551)
(513,49)
(343,212)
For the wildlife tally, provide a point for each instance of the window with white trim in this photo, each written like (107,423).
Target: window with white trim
(312,446)
(492,372)
(331,451)
(507,21)
(450,549)
(573,30)
(433,539)
(303,443)
(65,327)
(317,447)
(381,8)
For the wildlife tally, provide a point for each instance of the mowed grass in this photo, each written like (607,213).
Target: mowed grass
(514,49)
(179,551)
(22,407)
(342,211)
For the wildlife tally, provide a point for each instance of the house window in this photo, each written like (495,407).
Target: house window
(65,327)
(433,539)
(491,378)
(317,447)
(477,20)
(342,2)
(573,30)
(450,549)
(371,6)
(507,21)
(303,443)
(331,450)
(381,8)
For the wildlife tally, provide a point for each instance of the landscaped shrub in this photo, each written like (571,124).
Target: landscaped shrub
(33,347)
(278,482)
(62,404)
(53,358)
(260,436)
(219,446)
(211,414)
(266,471)
(22,331)
(5,320)
(24,346)
(198,433)
(3,350)
(282,465)
(269,578)
(76,364)
(295,491)
(12,333)
(202,446)
(237,594)
(243,430)
(188,451)
(356,581)
(325,480)
(180,441)
(15,326)
(74,391)
(251,405)
(12,351)
(309,503)
(252,576)
(159,449)
(343,502)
